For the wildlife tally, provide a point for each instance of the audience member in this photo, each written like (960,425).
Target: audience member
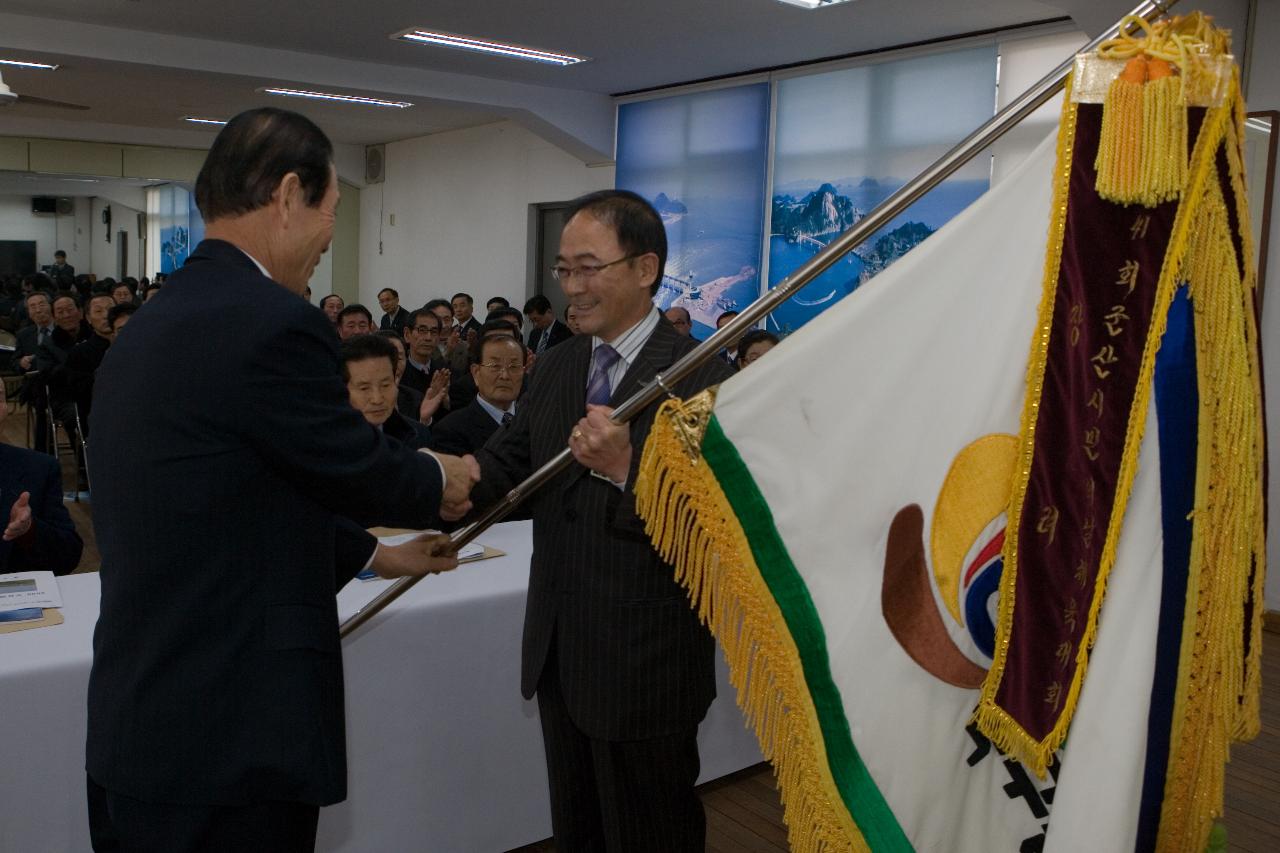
(464,316)
(151,291)
(410,402)
(680,318)
(85,357)
(38,533)
(494,303)
(730,352)
(62,273)
(51,362)
(511,315)
(547,330)
(331,305)
(368,368)
(117,317)
(497,368)
(421,333)
(354,320)
(122,293)
(571,318)
(394,315)
(754,344)
(29,338)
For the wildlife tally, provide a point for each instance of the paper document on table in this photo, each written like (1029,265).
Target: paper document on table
(21,590)
(466,552)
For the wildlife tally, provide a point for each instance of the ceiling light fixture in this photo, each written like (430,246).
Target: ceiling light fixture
(812,4)
(18,63)
(199,120)
(329,96)
(493,48)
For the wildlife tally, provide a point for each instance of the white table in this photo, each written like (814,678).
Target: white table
(443,753)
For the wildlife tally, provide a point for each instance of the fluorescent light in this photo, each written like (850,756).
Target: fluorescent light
(493,48)
(43,66)
(198,120)
(345,99)
(812,4)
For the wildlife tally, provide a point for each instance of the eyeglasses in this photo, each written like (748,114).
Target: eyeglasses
(427,330)
(588,271)
(496,369)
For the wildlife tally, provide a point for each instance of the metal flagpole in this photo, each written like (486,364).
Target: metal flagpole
(881,215)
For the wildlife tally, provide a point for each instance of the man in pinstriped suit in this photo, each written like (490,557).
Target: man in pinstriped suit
(622,669)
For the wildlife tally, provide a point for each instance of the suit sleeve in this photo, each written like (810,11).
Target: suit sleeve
(353,547)
(52,544)
(505,460)
(296,414)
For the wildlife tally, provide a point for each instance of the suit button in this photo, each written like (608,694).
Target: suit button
(570,514)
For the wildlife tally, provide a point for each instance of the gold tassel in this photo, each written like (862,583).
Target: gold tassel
(692,525)
(1120,155)
(1164,136)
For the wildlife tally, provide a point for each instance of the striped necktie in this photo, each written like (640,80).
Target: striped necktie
(598,391)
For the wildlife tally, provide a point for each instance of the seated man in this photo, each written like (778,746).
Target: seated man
(411,403)
(38,532)
(497,366)
(368,366)
(84,358)
(422,333)
(354,320)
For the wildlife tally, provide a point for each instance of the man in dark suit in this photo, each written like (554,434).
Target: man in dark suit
(622,669)
(422,334)
(50,383)
(394,316)
(39,535)
(464,316)
(62,273)
(76,387)
(215,698)
(497,368)
(547,330)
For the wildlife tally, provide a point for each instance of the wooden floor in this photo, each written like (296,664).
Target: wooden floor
(744,814)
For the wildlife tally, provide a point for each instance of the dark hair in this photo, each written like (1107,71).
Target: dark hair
(729,314)
(59,254)
(492,332)
(363,347)
(124,309)
(151,288)
(753,337)
(332,296)
(466,296)
(438,303)
(393,335)
(637,226)
(354,308)
(537,305)
(101,296)
(65,294)
(253,153)
(390,290)
(42,294)
(517,319)
(422,312)
(502,303)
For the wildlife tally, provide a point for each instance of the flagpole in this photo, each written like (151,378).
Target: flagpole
(881,215)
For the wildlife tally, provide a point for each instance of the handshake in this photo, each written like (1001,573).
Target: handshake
(432,553)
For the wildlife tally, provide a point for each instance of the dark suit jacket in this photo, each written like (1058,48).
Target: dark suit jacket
(633,659)
(221,483)
(464,431)
(52,544)
(395,322)
(82,366)
(558,332)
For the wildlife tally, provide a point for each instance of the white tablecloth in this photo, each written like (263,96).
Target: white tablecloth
(443,753)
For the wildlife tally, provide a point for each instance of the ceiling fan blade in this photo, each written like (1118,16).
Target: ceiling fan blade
(47,102)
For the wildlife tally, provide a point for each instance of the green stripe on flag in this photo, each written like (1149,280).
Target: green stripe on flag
(857,789)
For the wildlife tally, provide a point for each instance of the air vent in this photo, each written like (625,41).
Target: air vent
(375,163)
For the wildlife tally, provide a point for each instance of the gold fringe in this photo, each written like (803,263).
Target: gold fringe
(1164,141)
(1216,700)
(694,528)
(1120,155)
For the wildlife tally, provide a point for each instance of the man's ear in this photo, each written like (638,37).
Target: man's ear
(288,196)
(647,264)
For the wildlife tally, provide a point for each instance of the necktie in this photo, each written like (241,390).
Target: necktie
(542,341)
(598,391)
(507,418)
(41,337)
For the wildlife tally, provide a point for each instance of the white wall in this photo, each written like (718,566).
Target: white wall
(460,202)
(1264,94)
(103,260)
(69,233)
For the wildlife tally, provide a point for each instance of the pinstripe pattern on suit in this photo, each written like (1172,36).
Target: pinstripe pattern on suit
(631,661)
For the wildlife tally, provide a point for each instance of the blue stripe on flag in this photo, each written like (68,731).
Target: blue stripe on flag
(1177,410)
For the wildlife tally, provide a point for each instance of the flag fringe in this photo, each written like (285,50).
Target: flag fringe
(1217,693)
(693,527)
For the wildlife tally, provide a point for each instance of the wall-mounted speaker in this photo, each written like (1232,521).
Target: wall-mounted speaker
(375,164)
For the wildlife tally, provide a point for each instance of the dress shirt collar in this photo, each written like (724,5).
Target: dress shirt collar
(494,411)
(256,263)
(424,368)
(630,342)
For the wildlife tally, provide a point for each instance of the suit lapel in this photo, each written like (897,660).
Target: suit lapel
(654,357)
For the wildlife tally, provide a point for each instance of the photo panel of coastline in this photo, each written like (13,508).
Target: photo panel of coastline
(845,140)
(701,160)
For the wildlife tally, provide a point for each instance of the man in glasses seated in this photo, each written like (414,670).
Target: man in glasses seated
(497,366)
